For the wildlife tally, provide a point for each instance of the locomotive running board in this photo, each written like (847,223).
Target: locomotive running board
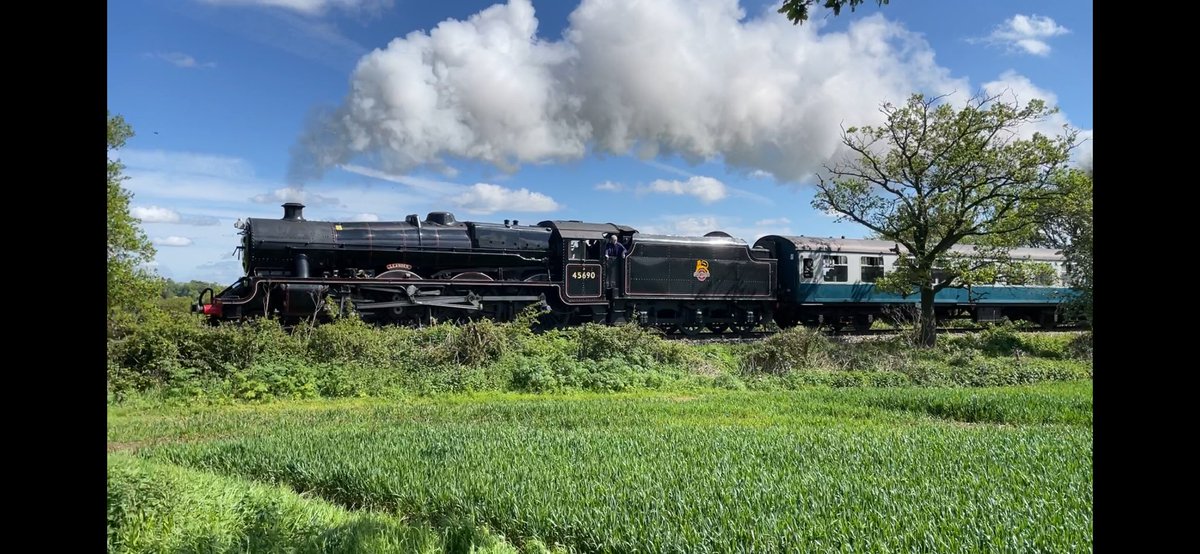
(460,302)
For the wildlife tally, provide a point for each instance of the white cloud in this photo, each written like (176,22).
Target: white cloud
(1013,87)
(776,222)
(485,198)
(760,174)
(695,226)
(1016,87)
(364,217)
(610,186)
(173,241)
(189,163)
(294,32)
(693,77)
(179,59)
(310,7)
(707,189)
(1084,152)
(418,183)
(154,214)
(1026,34)
(700,225)
(200,220)
(293,194)
(669,168)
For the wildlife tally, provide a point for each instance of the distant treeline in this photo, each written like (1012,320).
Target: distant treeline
(177,296)
(190,289)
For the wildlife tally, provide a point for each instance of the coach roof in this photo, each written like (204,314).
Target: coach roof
(868,246)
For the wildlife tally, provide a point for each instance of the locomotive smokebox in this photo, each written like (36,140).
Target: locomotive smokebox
(293,211)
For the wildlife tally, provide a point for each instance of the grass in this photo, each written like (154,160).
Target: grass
(857,469)
(156,507)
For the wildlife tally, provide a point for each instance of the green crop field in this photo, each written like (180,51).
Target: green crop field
(858,469)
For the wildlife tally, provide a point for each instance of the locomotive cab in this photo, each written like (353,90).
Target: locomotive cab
(577,259)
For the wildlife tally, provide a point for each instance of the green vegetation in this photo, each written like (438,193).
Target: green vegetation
(177,356)
(163,508)
(1066,225)
(130,286)
(900,469)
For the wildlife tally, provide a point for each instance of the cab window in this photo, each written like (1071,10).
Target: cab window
(576,250)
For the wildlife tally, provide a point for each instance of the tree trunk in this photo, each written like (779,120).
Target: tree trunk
(928,332)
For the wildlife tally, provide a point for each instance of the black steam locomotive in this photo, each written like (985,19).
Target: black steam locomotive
(417,272)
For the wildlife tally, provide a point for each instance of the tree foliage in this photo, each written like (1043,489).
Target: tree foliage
(1067,226)
(933,177)
(130,287)
(797,10)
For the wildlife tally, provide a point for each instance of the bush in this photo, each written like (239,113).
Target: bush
(999,340)
(995,372)
(1007,340)
(351,341)
(877,355)
(795,348)
(476,344)
(180,356)
(271,381)
(1080,347)
(162,347)
(536,376)
(628,343)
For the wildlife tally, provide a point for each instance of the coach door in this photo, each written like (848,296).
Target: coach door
(584,274)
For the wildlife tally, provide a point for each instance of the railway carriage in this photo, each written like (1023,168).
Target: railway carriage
(831,281)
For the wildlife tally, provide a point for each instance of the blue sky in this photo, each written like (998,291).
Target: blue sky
(674,116)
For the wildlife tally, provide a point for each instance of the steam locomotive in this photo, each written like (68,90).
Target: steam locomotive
(420,272)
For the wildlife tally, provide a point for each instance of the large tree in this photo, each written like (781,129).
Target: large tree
(933,176)
(130,287)
(797,10)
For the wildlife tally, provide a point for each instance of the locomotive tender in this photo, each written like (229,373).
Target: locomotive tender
(417,272)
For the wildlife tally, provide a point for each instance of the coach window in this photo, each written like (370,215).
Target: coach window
(577,250)
(836,269)
(872,268)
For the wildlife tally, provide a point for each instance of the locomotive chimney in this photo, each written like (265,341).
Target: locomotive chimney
(293,211)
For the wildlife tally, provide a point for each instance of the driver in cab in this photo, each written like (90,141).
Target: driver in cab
(614,249)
